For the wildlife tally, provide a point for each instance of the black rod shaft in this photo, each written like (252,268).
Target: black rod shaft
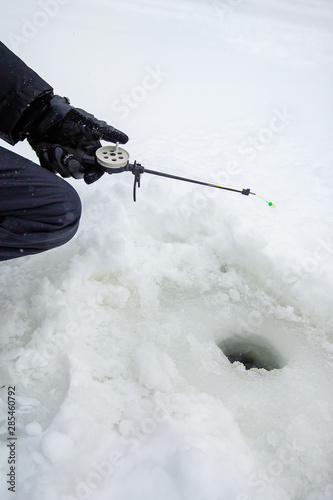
(193,181)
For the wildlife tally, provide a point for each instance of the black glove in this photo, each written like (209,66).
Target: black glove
(66,139)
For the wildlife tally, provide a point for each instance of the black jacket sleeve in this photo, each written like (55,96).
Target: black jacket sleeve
(20,88)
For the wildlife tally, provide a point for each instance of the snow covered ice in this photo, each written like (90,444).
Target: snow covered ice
(112,341)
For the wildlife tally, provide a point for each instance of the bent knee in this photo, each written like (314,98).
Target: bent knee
(63,216)
(71,207)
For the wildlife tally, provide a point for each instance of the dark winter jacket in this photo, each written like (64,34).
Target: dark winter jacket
(22,92)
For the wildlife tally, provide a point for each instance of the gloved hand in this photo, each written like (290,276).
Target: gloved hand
(68,162)
(66,139)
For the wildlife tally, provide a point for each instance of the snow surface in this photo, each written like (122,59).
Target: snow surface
(112,341)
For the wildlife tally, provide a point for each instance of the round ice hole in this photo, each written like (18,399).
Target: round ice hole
(252,351)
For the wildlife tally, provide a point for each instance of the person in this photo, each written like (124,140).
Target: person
(38,209)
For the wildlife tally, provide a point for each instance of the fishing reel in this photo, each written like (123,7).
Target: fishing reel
(114,160)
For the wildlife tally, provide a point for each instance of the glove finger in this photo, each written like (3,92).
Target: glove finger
(68,165)
(44,159)
(45,153)
(58,154)
(89,123)
(93,175)
(112,134)
(75,168)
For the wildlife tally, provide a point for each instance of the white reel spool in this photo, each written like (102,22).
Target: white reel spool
(112,158)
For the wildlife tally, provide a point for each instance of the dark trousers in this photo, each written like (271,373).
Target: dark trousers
(38,209)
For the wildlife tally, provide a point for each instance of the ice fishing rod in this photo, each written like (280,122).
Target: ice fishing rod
(114,160)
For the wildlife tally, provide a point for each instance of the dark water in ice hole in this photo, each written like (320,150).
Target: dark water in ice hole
(252,351)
